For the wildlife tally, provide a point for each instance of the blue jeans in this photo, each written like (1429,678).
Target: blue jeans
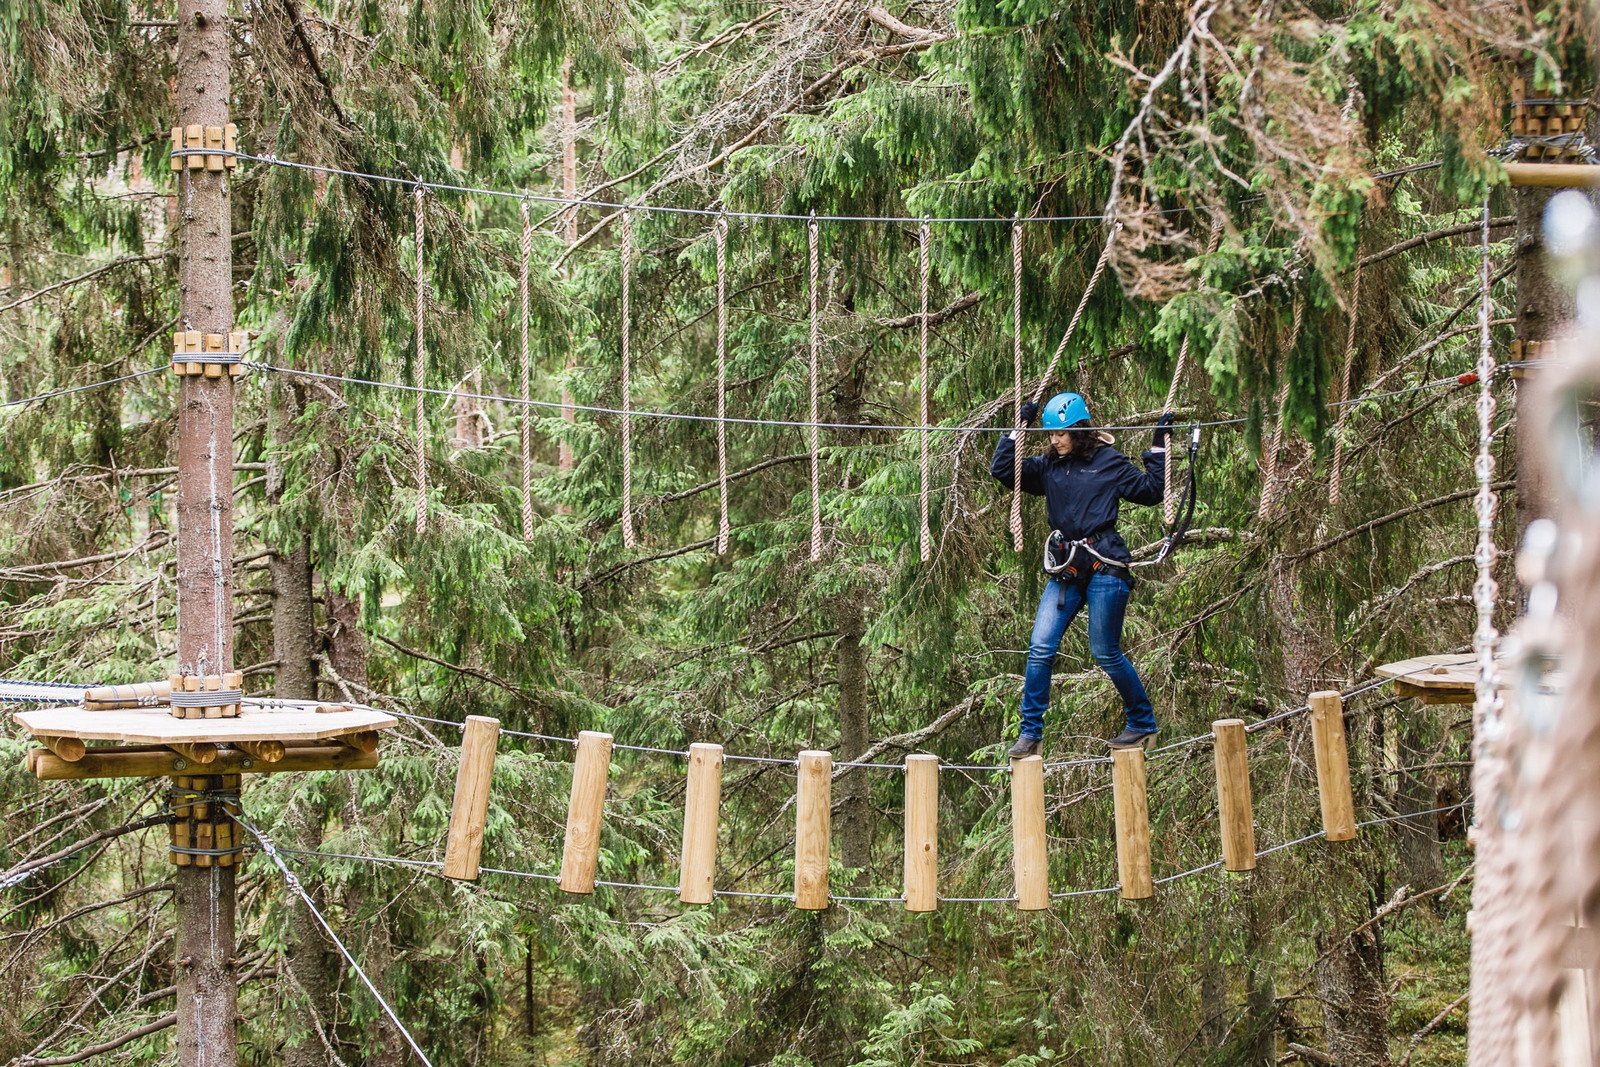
(1107,597)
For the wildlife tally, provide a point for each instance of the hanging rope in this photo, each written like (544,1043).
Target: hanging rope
(1269,462)
(627,377)
(527,387)
(1016,382)
(1169,503)
(926,537)
(1335,476)
(417,371)
(1083,302)
(816,349)
(721,232)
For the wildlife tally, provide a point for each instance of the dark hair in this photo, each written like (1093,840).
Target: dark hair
(1085,441)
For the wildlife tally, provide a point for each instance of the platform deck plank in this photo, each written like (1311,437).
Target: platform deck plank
(292,724)
(1450,670)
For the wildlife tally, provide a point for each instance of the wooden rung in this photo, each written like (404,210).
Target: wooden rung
(1233,795)
(194,138)
(1029,861)
(199,753)
(470,810)
(580,850)
(214,141)
(213,683)
(1333,766)
(922,833)
(181,838)
(701,802)
(266,751)
(1132,808)
(177,146)
(812,829)
(70,749)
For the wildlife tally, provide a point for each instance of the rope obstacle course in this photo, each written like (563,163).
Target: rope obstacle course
(202,800)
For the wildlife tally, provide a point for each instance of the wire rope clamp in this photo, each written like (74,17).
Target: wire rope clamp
(194,353)
(209,697)
(212,148)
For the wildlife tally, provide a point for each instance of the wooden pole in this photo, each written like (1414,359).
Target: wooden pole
(813,810)
(150,761)
(1553,175)
(204,897)
(922,833)
(1233,796)
(702,798)
(470,809)
(1133,823)
(1029,860)
(580,854)
(1333,766)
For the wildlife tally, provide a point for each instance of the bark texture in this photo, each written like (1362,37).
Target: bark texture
(1421,863)
(1355,1004)
(204,899)
(1544,312)
(855,735)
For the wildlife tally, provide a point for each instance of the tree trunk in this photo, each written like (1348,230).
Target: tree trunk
(1544,310)
(347,645)
(855,735)
(1259,1029)
(306,957)
(1213,980)
(204,897)
(293,631)
(1421,864)
(1355,1005)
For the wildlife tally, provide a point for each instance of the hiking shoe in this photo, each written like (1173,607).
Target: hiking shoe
(1025,746)
(1133,739)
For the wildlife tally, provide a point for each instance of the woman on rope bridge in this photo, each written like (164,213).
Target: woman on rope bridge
(1083,479)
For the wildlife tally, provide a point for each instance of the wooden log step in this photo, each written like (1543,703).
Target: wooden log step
(70,749)
(156,761)
(265,751)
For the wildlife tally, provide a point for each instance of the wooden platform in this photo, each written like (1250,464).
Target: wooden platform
(1450,678)
(266,736)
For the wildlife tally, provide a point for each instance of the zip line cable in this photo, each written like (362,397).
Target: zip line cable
(856,426)
(81,388)
(311,905)
(566,204)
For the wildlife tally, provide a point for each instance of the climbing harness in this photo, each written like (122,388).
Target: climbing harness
(1061,563)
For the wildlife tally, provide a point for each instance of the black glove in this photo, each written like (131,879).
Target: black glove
(1030,411)
(1162,434)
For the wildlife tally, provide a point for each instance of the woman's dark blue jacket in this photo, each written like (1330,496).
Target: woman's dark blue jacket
(1082,495)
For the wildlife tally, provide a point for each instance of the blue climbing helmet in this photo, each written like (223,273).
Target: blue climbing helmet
(1064,410)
